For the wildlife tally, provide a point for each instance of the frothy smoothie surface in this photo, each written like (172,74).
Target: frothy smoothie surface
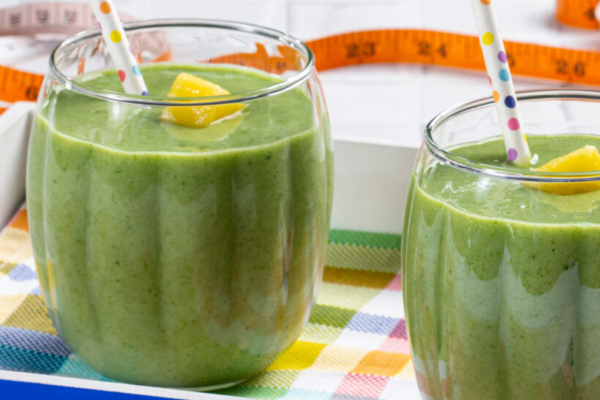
(502,282)
(497,198)
(134,129)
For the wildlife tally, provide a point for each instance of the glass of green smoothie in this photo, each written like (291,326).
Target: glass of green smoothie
(174,254)
(501,264)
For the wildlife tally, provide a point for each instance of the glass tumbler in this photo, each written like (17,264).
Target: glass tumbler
(501,265)
(171,255)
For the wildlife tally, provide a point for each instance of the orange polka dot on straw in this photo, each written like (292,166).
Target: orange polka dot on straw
(486,2)
(115,36)
(104,7)
(496,96)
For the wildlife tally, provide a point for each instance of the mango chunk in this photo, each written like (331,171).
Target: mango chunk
(187,85)
(585,159)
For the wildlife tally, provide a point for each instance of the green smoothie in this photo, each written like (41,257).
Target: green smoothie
(176,256)
(502,282)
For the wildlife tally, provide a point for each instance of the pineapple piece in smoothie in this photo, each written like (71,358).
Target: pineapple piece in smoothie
(585,159)
(188,85)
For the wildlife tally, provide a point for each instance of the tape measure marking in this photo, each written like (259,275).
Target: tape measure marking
(430,47)
(48,17)
(18,85)
(578,13)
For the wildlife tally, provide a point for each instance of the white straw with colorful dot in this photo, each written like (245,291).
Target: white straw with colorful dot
(496,64)
(118,47)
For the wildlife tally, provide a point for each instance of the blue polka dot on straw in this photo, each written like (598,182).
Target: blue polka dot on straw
(504,75)
(136,70)
(510,102)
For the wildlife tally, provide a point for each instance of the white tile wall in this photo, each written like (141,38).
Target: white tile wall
(383,103)
(271,13)
(314,18)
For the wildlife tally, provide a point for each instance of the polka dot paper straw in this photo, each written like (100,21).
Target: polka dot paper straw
(118,47)
(496,63)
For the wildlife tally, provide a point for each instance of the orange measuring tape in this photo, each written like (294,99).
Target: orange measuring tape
(431,47)
(577,13)
(398,46)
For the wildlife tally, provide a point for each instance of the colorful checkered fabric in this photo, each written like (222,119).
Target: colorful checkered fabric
(354,346)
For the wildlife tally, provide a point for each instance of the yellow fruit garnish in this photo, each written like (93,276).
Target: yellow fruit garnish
(187,85)
(585,159)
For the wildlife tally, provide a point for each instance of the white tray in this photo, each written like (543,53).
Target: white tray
(15,125)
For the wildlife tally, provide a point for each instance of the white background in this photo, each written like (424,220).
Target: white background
(386,104)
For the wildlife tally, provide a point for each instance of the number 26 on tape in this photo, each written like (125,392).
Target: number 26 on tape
(563,68)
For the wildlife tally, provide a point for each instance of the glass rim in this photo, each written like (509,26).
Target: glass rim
(164,101)
(465,164)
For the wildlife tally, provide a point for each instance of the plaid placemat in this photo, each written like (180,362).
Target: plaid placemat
(354,346)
